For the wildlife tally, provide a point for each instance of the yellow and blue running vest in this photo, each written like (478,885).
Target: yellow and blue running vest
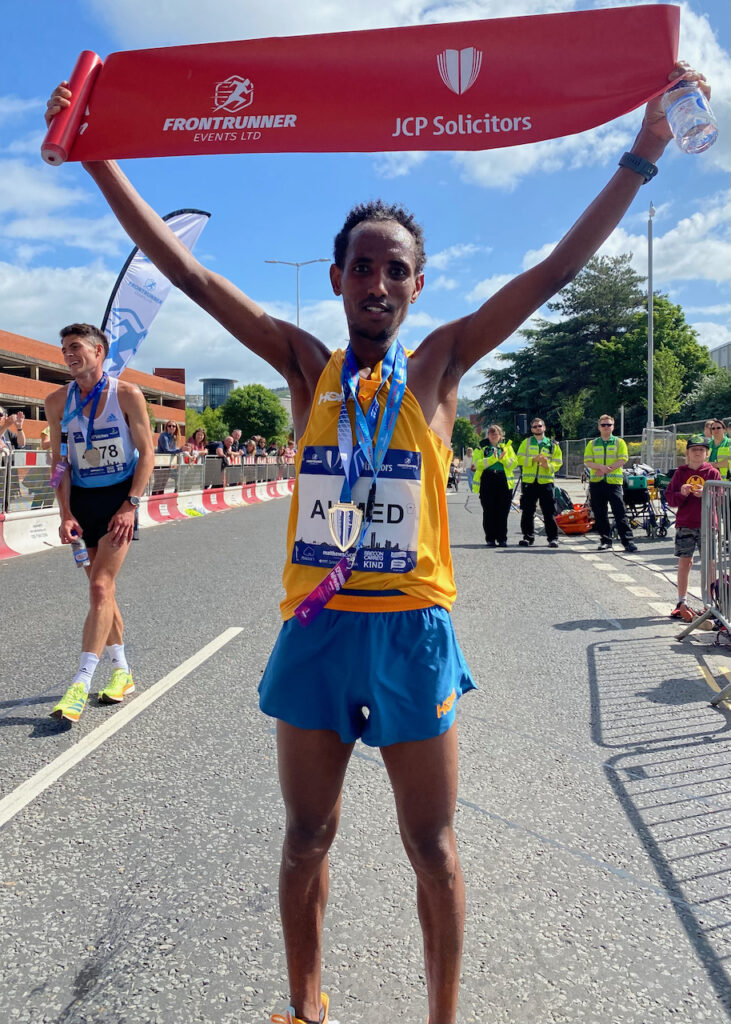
(406,561)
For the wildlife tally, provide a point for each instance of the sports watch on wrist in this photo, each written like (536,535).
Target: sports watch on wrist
(133,500)
(639,165)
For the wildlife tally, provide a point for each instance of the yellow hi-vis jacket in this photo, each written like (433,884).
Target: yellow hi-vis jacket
(501,457)
(720,453)
(605,454)
(530,449)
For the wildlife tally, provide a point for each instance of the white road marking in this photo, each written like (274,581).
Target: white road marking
(605,566)
(621,577)
(36,784)
(642,592)
(591,558)
(661,609)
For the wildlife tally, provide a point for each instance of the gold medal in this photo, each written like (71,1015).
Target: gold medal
(345,521)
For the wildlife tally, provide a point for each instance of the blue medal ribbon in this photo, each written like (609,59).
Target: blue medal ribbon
(93,397)
(372,442)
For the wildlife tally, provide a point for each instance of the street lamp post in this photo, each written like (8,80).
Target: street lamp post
(303,263)
(650,326)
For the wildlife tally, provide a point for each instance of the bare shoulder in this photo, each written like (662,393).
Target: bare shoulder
(56,400)
(130,397)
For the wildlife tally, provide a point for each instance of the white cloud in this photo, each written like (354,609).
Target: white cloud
(398,165)
(447,284)
(722,309)
(441,260)
(103,236)
(27,187)
(14,106)
(159,22)
(485,289)
(697,248)
(711,334)
(27,145)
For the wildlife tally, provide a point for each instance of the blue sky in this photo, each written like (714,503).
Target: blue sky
(487,216)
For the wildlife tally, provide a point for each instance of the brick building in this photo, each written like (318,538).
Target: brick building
(30,369)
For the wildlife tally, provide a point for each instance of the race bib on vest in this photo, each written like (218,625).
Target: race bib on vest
(392,538)
(106,459)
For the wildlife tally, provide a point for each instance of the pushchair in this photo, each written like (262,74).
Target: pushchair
(638,502)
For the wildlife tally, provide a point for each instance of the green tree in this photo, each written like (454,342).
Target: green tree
(559,359)
(253,409)
(710,397)
(622,360)
(571,412)
(667,384)
(464,436)
(598,343)
(210,420)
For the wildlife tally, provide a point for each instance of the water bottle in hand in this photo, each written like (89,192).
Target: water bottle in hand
(690,117)
(81,555)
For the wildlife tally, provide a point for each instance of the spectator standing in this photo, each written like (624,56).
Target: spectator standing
(261,449)
(707,429)
(250,448)
(539,459)
(494,481)
(720,450)
(235,440)
(685,492)
(605,458)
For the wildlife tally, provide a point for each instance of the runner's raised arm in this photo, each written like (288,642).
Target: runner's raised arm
(294,353)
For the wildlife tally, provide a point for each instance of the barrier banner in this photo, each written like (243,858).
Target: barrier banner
(140,291)
(465,85)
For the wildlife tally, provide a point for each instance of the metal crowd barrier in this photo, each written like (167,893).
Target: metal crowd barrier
(25,476)
(715,560)
(27,482)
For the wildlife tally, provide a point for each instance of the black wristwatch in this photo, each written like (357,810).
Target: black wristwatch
(639,165)
(133,500)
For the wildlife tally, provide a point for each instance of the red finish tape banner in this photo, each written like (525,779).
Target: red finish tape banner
(459,86)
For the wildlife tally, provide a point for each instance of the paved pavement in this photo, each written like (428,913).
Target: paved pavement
(594,815)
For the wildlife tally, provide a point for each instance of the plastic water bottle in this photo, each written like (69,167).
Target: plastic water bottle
(690,117)
(81,555)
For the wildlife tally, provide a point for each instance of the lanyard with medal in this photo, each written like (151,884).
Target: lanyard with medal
(91,454)
(60,468)
(347,522)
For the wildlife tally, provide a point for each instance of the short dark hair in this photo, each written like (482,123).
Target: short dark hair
(377,210)
(87,331)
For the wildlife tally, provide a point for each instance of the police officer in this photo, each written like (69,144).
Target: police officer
(539,458)
(604,457)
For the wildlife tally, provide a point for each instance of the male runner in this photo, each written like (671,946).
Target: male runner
(404,665)
(103,423)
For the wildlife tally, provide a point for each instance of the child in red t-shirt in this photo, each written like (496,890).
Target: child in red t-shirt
(685,491)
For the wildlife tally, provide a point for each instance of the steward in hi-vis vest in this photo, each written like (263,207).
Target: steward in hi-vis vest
(605,458)
(530,453)
(720,451)
(494,482)
(540,459)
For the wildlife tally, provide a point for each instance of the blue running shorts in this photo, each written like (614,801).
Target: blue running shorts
(382,677)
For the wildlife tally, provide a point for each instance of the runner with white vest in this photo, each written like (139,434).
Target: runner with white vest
(100,429)
(605,457)
(539,458)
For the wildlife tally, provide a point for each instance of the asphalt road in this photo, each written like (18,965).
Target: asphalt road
(594,817)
